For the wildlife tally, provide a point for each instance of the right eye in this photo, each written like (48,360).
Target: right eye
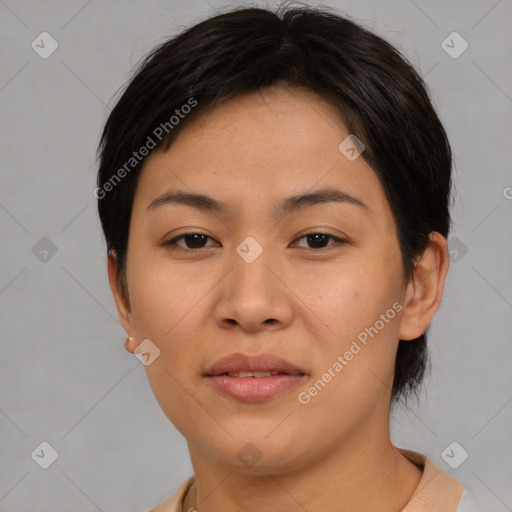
(191,240)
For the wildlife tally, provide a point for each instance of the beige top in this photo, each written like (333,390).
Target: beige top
(436,492)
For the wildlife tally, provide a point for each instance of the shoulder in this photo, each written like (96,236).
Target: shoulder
(437,491)
(174,501)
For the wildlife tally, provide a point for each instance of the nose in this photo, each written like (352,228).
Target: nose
(252,297)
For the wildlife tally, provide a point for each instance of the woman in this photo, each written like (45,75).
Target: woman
(274,191)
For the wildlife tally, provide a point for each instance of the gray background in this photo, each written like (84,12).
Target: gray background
(65,376)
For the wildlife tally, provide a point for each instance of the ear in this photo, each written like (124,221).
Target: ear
(122,301)
(425,289)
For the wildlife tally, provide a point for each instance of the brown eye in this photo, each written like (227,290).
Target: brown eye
(191,241)
(319,240)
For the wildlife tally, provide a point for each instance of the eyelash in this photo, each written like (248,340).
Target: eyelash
(173,242)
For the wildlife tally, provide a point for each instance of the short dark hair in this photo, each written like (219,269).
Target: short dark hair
(376,92)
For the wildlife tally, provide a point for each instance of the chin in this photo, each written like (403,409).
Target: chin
(256,454)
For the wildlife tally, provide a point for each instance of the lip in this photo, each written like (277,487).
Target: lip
(253,389)
(239,362)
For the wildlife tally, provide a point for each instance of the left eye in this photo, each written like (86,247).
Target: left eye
(319,240)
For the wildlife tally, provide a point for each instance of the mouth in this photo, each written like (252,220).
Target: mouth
(249,378)
(243,375)
(247,365)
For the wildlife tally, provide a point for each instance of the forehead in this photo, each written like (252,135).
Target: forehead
(258,147)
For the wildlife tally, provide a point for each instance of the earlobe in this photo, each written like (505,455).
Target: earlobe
(131,345)
(425,288)
(122,301)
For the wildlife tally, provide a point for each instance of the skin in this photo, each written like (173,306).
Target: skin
(302,303)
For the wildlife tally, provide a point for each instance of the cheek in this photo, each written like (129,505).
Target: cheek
(165,307)
(350,299)
(162,296)
(360,306)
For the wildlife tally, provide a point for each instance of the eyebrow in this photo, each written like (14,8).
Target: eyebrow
(288,205)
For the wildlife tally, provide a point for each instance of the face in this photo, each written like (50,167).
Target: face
(296,257)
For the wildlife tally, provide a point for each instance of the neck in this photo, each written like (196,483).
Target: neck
(370,474)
